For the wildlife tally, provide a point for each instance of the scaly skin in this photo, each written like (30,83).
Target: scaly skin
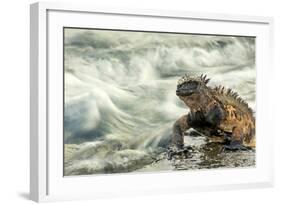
(215,112)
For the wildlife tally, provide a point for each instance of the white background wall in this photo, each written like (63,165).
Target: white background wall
(14,101)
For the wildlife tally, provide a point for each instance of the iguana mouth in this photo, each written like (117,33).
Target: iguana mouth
(184,92)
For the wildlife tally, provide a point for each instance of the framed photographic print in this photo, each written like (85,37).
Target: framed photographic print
(128,102)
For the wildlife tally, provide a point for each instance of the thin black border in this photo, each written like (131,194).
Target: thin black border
(63,97)
(149,31)
(118,30)
(47,107)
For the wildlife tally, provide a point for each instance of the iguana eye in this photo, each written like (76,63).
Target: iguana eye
(191,85)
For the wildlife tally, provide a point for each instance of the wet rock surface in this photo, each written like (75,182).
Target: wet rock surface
(200,153)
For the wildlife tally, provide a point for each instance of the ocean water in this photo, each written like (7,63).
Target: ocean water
(120,101)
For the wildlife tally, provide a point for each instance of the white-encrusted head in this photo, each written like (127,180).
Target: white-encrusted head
(186,78)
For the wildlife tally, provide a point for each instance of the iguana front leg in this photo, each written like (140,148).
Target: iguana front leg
(179,127)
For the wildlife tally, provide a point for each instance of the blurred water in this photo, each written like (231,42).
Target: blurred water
(120,101)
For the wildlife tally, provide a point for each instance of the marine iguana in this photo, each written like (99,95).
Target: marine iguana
(213,112)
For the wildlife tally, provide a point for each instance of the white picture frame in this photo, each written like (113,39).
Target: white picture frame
(46,180)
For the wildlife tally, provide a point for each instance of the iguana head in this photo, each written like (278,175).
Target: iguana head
(188,85)
(193,90)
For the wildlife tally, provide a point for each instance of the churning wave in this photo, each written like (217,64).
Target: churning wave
(120,101)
